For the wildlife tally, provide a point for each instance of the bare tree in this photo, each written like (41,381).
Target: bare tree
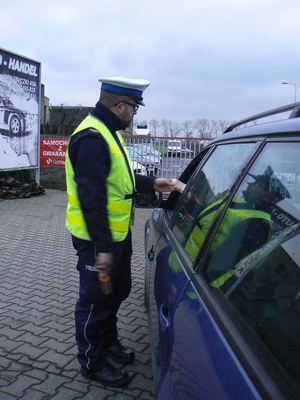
(223,124)
(214,128)
(187,128)
(201,125)
(155,124)
(171,128)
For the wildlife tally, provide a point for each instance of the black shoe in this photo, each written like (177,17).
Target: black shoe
(120,354)
(109,376)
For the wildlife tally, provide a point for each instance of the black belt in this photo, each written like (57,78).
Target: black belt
(129,196)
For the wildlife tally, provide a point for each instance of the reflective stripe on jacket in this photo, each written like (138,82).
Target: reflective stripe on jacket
(120,187)
(234,215)
(203,224)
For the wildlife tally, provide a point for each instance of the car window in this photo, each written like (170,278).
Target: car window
(208,189)
(266,203)
(254,259)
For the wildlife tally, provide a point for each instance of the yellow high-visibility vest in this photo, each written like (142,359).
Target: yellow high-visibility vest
(195,239)
(233,217)
(120,186)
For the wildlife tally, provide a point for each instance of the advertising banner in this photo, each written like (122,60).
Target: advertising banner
(20,92)
(53,152)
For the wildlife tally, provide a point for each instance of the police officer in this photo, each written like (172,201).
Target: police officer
(101,186)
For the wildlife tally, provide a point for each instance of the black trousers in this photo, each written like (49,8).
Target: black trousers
(96,313)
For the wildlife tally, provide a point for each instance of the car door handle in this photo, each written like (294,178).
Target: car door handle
(164,317)
(151,254)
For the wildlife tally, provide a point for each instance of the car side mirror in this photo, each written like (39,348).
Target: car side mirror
(148,200)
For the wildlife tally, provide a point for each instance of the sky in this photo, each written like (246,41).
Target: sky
(211,59)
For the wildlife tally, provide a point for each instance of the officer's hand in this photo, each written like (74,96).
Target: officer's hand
(103,263)
(164,185)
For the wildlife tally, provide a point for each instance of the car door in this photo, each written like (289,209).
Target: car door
(233,330)
(183,364)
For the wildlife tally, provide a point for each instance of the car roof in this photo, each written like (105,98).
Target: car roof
(286,121)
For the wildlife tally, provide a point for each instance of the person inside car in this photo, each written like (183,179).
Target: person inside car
(247,225)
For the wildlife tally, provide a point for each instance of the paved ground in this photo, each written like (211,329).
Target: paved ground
(38,291)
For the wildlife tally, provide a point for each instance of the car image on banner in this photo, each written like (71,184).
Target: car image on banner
(14,121)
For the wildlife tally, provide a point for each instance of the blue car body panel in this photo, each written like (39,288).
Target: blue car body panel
(191,357)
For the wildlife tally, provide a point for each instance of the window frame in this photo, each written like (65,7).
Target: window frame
(171,204)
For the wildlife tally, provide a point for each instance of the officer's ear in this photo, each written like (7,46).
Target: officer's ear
(118,108)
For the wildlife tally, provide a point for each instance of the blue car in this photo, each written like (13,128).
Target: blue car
(222,277)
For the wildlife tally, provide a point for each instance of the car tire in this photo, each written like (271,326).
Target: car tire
(15,126)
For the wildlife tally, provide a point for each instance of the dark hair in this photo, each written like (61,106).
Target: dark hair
(109,99)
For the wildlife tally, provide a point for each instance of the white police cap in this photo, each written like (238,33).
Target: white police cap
(126,87)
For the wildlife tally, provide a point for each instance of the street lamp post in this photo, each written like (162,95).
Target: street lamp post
(293,84)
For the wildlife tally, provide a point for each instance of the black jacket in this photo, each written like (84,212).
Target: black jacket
(90,157)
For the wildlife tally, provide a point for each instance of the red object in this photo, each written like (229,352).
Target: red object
(53,152)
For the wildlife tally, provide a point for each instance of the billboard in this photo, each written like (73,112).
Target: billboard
(20,96)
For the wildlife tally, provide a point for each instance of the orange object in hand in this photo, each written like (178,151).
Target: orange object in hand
(105,283)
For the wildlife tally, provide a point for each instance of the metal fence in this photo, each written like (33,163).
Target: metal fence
(161,156)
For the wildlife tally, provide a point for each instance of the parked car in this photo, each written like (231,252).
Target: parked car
(222,274)
(138,168)
(150,150)
(150,161)
(14,121)
(176,149)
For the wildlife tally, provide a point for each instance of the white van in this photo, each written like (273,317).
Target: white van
(176,148)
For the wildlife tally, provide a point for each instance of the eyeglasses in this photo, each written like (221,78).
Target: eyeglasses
(134,106)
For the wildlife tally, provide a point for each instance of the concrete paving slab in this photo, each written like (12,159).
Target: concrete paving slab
(38,291)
